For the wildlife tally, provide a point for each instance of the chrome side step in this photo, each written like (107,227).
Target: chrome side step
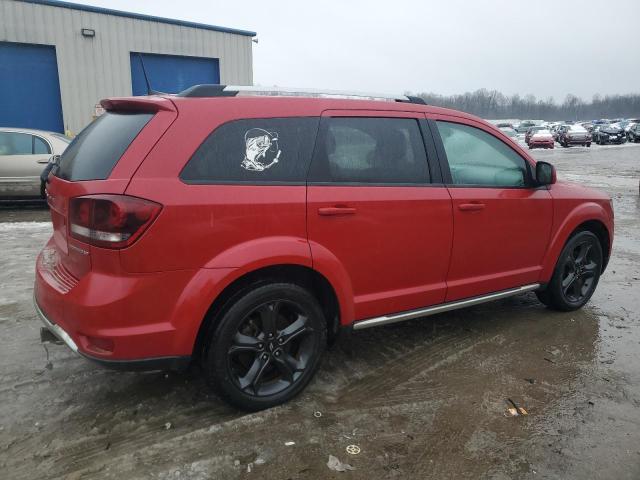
(443,307)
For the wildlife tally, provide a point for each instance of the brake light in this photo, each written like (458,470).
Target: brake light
(110,221)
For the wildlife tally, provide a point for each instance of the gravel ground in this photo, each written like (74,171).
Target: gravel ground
(422,399)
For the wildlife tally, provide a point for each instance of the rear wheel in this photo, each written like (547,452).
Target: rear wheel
(267,346)
(576,274)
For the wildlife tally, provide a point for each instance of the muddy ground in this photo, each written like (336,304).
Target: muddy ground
(423,399)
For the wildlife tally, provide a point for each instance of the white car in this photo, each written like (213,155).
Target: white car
(24,154)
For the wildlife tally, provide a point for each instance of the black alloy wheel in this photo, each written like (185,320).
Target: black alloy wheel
(267,347)
(576,274)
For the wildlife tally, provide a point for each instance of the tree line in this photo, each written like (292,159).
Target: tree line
(492,104)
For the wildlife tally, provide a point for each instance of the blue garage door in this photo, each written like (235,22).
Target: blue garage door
(29,87)
(172,73)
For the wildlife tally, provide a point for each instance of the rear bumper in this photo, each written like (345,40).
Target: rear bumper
(119,320)
(178,363)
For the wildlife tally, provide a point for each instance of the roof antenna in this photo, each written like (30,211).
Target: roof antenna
(150,91)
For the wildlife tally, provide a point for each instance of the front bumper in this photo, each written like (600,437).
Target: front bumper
(541,143)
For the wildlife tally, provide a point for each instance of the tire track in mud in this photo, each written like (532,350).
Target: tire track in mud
(89,451)
(391,383)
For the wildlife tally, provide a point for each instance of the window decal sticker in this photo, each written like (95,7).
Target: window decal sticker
(261,150)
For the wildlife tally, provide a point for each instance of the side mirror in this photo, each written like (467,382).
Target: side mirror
(545,173)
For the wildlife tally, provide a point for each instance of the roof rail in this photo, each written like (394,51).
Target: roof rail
(214,90)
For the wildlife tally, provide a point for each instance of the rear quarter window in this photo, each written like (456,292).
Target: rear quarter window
(254,151)
(97,149)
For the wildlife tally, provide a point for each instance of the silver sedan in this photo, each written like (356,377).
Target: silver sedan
(24,154)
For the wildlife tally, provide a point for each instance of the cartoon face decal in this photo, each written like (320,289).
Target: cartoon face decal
(261,150)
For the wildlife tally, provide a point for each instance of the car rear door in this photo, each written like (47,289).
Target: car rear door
(377,210)
(502,221)
(23,156)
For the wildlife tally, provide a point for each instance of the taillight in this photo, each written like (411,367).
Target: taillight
(110,221)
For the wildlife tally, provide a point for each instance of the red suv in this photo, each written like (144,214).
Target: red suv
(245,229)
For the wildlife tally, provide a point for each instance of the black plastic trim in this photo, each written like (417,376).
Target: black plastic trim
(435,168)
(207,90)
(174,364)
(416,100)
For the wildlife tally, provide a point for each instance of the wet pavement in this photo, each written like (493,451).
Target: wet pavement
(422,399)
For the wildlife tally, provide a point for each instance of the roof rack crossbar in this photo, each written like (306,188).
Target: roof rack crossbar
(246,90)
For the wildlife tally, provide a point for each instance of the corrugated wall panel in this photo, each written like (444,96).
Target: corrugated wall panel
(94,68)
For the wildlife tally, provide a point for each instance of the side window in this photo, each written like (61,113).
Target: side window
(477,158)
(370,150)
(40,147)
(255,150)
(15,143)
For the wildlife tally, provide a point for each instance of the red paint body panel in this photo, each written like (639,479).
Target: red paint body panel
(503,244)
(395,248)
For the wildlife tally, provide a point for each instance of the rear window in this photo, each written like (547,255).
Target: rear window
(96,150)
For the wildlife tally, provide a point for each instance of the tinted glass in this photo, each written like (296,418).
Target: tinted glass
(15,143)
(478,158)
(40,147)
(96,150)
(371,150)
(255,151)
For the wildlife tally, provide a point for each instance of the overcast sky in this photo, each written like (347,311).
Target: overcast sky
(544,47)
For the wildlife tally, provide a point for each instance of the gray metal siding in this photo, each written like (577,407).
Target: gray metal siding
(94,68)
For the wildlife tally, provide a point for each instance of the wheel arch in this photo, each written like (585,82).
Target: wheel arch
(590,218)
(301,275)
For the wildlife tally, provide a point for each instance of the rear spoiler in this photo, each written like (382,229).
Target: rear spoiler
(138,104)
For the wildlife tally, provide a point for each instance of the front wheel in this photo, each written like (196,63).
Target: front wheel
(266,347)
(576,274)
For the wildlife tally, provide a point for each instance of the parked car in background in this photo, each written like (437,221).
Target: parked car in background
(609,134)
(633,135)
(24,154)
(244,233)
(510,132)
(574,135)
(630,124)
(541,139)
(524,126)
(531,131)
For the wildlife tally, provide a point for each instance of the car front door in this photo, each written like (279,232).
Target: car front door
(22,158)
(502,220)
(377,213)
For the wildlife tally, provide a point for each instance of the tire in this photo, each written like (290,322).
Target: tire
(576,274)
(266,347)
(589,145)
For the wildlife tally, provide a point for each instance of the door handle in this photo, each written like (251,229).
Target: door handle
(43,161)
(471,207)
(327,211)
